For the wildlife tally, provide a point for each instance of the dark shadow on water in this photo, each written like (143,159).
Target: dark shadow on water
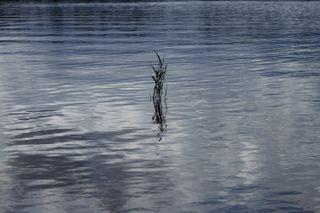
(24,139)
(91,170)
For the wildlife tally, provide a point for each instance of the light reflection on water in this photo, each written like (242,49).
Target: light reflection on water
(243,99)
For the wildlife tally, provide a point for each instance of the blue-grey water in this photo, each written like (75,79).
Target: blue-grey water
(243,98)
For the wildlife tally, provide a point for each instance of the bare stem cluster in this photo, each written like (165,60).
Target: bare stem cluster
(159,93)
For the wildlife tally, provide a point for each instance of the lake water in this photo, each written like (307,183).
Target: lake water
(243,98)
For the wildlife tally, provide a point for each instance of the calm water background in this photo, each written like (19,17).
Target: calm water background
(76,133)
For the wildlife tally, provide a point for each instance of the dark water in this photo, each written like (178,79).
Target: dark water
(76,133)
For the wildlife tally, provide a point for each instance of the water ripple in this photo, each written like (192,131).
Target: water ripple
(243,103)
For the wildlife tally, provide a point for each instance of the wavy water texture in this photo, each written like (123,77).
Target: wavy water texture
(76,133)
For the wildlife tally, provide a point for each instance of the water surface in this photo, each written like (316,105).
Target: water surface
(243,123)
